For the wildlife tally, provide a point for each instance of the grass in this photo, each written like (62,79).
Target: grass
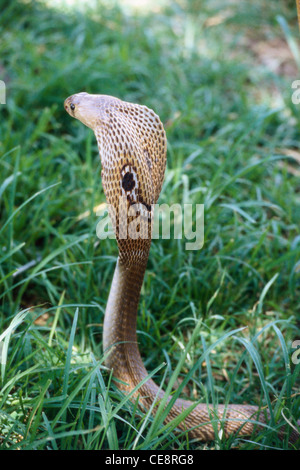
(222,318)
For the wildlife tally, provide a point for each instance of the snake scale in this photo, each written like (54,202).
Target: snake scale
(132,145)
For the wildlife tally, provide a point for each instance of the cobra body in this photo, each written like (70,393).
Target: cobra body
(132,146)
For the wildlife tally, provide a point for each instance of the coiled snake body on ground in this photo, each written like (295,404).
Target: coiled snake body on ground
(132,146)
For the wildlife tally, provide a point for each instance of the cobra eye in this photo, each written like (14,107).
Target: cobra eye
(72,106)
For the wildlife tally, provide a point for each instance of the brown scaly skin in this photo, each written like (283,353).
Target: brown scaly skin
(132,146)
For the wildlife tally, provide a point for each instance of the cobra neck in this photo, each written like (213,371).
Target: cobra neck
(119,332)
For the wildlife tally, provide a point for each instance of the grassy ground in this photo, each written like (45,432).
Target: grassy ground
(225,99)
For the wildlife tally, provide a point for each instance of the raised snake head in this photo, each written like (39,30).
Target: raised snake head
(132,146)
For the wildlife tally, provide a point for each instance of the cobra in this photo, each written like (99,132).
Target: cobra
(132,145)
